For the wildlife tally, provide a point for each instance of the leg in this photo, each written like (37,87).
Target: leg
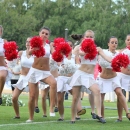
(91,101)
(97,100)
(32,96)
(44,105)
(15,96)
(36,101)
(102,104)
(53,90)
(119,110)
(122,100)
(75,99)
(61,104)
(3,74)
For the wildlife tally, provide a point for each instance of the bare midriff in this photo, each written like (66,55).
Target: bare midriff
(88,68)
(107,73)
(2,61)
(41,63)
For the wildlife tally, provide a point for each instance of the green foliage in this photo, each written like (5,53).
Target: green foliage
(24,18)
(7,101)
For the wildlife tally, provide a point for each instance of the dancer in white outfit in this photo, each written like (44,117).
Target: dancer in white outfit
(125,78)
(3,67)
(85,76)
(66,70)
(108,80)
(40,70)
(22,84)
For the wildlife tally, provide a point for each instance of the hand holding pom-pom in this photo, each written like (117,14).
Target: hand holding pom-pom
(121,60)
(36,44)
(11,51)
(88,46)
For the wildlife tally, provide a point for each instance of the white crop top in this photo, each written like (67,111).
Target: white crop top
(102,62)
(25,61)
(72,60)
(53,64)
(1,47)
(87,61)
(47,50)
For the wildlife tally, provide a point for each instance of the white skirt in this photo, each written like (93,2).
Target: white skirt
(109,85)
(43,85)
(35,75)
(81,78)
(62,84)
(9,75)
(22,84)
(125,81)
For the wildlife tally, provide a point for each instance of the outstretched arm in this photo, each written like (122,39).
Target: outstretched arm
(100,52)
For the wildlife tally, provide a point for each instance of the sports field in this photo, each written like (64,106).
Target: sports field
(50,123)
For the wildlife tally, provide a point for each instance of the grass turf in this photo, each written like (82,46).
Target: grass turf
(50,123)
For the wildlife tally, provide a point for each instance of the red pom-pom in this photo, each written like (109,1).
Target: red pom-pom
(56,56)
(11,51)
(64,48)
(121,60)
(99,68)
(57,41)
(89,47)
(40,52)
(37,42)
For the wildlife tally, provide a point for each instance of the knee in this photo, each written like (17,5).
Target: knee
(14,99)
(32,98)
(44,98)
(53,84)
(97,92)
(118,92)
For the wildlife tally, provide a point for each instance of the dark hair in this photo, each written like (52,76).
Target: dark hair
(46,28)
(111,38)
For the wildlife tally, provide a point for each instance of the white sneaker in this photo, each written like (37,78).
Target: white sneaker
(52,114)
(29,121)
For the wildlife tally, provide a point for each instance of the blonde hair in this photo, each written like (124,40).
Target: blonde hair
(90,32)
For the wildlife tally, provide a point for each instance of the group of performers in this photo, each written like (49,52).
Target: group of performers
(58,68)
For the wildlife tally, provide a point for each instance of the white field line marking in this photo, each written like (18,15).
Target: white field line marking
(45,122)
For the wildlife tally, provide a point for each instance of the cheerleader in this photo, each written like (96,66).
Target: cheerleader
(125,79)
(40,71)
(84,76)
(26,62)
(87,34)
(108,79)
(66,70)
(45,87)
(4,74)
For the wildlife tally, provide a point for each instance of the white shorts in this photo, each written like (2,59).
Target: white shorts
(22,84)
(81,78)
(125,81)
(35,75)
(9,75)
(62,84)
(43,85)
(109,85)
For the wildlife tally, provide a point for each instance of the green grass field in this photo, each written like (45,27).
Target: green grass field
(50,123)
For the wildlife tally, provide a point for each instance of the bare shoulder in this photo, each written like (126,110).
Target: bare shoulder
(5,40)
